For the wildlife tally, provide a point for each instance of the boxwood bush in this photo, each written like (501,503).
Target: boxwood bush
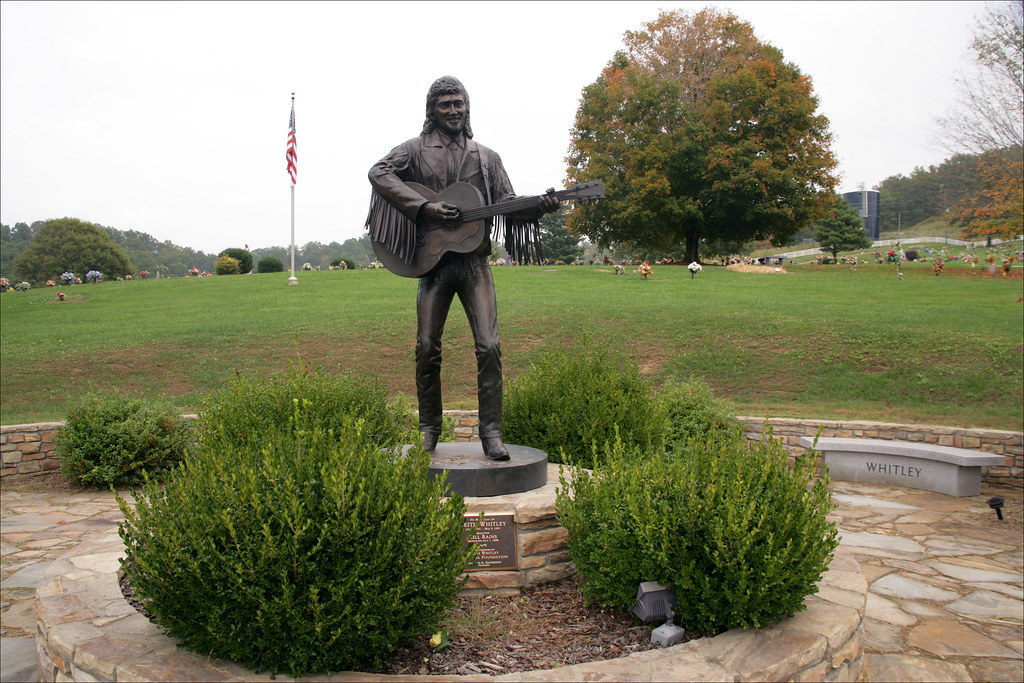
(111,439)
(693,412)
(317,551)
(256,407)
(270,264)
(579,395)
(741,536)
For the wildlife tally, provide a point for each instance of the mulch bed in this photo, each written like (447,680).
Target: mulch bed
(542,627)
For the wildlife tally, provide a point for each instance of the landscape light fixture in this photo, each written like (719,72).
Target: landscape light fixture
(996,503)
(654,602)
(668,633)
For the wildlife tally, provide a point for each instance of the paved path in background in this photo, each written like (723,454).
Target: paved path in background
(946,597)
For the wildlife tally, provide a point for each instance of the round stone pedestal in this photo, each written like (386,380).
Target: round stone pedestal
(471,474)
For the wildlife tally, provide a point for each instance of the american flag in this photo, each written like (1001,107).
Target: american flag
(290,154)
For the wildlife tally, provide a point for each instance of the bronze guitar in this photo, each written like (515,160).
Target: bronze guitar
(435,239)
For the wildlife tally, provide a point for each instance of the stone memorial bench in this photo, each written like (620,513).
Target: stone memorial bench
(944,469)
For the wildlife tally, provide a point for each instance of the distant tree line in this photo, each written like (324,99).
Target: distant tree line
(979,194)
(142,251)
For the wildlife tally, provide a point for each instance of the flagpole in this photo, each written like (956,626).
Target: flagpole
(293,280)
(291,169)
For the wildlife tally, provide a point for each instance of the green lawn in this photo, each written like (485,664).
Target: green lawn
(816,342)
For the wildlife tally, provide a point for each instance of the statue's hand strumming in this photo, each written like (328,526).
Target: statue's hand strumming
(441,211)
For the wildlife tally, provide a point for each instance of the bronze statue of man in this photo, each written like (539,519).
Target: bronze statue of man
(443,154)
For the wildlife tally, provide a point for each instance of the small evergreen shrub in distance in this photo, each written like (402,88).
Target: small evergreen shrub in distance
(243,256)
(317,552)
(225,265)
(576,396)
(110,439)
(741,536)
(695,413)
(255,407)
(270,264)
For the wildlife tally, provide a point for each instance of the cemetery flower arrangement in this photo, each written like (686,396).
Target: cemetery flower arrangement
(67,278)
(94,276)
(22,287)
(4,284)
(193,272)
(143,274)
(694,268)
(60,296)
(644,270)
(51,283)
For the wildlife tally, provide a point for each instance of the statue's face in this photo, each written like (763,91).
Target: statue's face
(450,113)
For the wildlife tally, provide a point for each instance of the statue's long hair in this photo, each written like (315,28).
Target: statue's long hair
(446,85)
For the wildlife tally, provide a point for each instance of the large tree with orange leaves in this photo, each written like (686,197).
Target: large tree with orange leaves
(995,206)
(701,132)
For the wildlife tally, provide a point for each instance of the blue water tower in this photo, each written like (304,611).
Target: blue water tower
(866,202)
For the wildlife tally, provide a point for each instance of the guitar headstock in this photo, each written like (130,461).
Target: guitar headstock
(592,189)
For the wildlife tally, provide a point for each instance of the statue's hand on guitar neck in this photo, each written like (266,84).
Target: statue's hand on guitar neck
(548,201)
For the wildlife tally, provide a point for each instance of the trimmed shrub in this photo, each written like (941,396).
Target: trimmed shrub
(270,264)
(346,263)
(578,396)
(694,413)
(243,256)
(110,439)
(225,265)
(315,552)
(253,408)
(741,536)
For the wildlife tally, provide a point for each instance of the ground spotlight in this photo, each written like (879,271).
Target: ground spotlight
(996,503)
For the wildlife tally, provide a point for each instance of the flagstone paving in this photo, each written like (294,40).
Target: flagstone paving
(945,577)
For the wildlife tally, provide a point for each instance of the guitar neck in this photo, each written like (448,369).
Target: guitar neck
(510,206)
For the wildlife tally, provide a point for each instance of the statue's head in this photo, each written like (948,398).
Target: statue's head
(445,87)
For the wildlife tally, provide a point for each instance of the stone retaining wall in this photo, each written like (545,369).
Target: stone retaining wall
(1010,445)
(87,631)
(28,449)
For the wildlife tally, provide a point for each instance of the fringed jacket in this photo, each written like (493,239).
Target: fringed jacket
(435,161)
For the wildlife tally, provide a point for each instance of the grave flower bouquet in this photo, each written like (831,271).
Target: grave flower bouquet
(94,276)
(694,269)
(67,277)
(644,270)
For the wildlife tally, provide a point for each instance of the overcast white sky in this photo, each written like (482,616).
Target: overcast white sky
(171,118)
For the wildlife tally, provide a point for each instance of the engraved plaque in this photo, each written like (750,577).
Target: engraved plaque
(495,540)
